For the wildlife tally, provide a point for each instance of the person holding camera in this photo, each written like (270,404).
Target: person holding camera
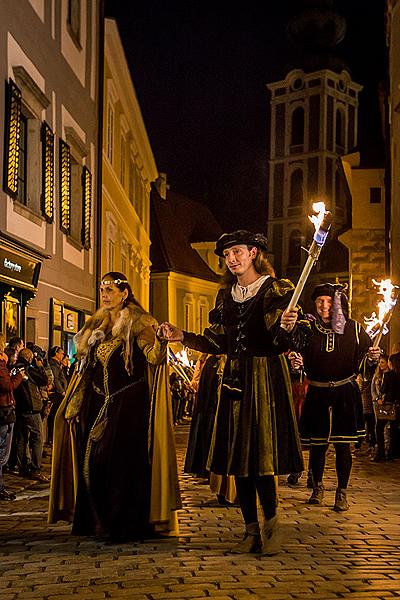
(29,404)
(56,357)
(8,383)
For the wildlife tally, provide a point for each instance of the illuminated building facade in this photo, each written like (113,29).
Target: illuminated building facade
(50,70)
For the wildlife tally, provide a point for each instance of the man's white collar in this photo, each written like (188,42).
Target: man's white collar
(241,293)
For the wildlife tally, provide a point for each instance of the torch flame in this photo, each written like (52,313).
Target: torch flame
(387,304)
(183,358)
(316,220)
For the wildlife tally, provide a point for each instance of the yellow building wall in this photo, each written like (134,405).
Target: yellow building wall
(366,239)
(128,171)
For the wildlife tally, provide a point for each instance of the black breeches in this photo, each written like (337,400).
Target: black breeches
(247,490)
(343,463)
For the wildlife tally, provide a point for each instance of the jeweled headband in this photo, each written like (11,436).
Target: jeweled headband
(116,281)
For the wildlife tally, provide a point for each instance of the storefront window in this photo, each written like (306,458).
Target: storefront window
(11,317)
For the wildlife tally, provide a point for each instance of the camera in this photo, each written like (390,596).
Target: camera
(16,370)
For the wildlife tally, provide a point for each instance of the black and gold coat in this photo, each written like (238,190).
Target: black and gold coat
(333,414)
(255,429)
(114,466)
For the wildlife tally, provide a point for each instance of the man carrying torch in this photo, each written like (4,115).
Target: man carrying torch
(255,435)
(332,412)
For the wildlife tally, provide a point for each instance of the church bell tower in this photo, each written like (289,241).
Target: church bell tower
(313,122)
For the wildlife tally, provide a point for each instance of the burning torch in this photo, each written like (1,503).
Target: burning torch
(376,325)
(322,222)
(176,365)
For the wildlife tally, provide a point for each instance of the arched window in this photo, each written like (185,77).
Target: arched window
(188,312)
(295,248)
(297,138)
(340,137)
(296,188)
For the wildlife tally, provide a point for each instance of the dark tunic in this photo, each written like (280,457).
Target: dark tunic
(333,414)
(203,418)
(113,495)
(255,431)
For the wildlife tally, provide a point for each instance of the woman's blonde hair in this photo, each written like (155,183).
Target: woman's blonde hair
(261,265)
(3,342)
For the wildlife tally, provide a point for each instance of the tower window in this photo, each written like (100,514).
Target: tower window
(340,137)
(295,248)
(296,188)
(375,195)
(298,127)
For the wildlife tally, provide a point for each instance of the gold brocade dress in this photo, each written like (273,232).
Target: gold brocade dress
(113,497)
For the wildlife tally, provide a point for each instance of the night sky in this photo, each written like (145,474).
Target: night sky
(200,71)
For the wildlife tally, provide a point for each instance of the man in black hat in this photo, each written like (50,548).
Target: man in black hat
(255,436)
(334,354)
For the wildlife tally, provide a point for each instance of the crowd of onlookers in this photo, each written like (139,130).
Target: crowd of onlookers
(32,386)
(380,388)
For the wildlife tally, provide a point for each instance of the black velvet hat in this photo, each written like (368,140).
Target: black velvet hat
(324,289)
(329,289)
(240,237)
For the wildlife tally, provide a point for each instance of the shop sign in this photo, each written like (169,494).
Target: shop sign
(17,269)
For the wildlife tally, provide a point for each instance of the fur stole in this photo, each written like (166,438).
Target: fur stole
(131,321)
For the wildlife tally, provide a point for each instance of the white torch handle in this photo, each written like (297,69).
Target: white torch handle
(313,254)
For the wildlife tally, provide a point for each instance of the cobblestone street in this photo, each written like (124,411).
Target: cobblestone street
(326,555)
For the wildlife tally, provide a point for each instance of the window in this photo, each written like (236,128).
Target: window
(65,187)
(76,201)
(298,127)
(375,195)
(110,133)
(131,182)
(124,264)
(74,20)
(295,248)
(203,313)
(111,255)
(296,188)
(47,197)
(188,312)
(12,132)
(80,189)
(86,206)
(340,137)
(23,149)
(123,161)
(22,161)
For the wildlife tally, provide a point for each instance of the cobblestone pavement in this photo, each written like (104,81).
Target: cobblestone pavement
(326,555)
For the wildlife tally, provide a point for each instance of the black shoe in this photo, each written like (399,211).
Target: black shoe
(317,496)
(293,479)
(14,471)
(8,496)
(38,476)
(341,503)
(378,458)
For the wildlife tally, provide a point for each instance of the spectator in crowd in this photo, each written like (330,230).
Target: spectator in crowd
(391,395)
(65,363)
(29,405)
(8,383)
(15,344)
(376,393)
(56,355)
(365,382)
(178,397)
(202,423)
(40,354)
